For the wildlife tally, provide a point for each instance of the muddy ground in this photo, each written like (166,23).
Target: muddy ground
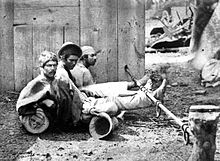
(141,137)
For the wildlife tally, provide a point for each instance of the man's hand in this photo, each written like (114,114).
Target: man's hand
(88,105)
(87,92)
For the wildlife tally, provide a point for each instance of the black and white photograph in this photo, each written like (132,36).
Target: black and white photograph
(109,80)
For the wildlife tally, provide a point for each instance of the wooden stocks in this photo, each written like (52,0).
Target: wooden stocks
(203,120)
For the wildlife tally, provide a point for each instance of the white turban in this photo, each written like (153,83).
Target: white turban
(46,56)
(87,50)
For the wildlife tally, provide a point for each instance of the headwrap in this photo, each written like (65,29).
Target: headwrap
(47,56)
(87,50)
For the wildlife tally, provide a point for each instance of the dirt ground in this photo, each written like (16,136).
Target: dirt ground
(141,137)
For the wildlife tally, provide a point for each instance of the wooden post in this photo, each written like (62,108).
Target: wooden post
(131,37)
(116,27)
(6,45)
(203,121)
(98,28)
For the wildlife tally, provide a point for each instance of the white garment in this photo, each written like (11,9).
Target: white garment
(82,75)
(211,73)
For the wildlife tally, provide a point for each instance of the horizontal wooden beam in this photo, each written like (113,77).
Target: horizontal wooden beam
(47,15)
(45,3)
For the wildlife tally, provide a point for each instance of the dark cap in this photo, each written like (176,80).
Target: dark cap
(69,45)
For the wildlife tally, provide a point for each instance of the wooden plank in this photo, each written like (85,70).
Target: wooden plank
(99,29)
(131,35)
(46,15)
(45,37)
(72,28)
(45,3)
(54,22)
(40,44)
(55,36)
(72,32)
(22,55)
(6,45)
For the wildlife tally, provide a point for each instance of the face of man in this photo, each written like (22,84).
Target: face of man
(71,61)
(91,59)
(50,68)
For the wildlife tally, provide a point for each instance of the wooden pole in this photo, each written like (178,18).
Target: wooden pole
(203,121)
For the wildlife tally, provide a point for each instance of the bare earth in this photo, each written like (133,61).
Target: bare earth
(141,137)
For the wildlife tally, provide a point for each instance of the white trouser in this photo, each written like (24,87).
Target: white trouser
(108,89)
(112,105)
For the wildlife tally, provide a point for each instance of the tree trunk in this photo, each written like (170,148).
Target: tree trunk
(203,121)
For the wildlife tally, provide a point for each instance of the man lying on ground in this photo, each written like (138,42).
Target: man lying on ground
(110,104)
(57,96)
(85,81)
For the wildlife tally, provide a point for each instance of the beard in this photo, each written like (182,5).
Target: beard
(50,74)
(92,63)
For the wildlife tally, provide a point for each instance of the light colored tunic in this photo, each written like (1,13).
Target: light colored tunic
(82,75)
(85,81)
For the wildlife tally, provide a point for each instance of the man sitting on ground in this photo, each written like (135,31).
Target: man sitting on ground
(85,80)
(47,99)
(110,104)
(57,95)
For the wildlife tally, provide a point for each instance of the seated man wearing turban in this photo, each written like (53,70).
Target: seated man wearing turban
(47,100)
(54,97)
(85,80)
(39,96)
